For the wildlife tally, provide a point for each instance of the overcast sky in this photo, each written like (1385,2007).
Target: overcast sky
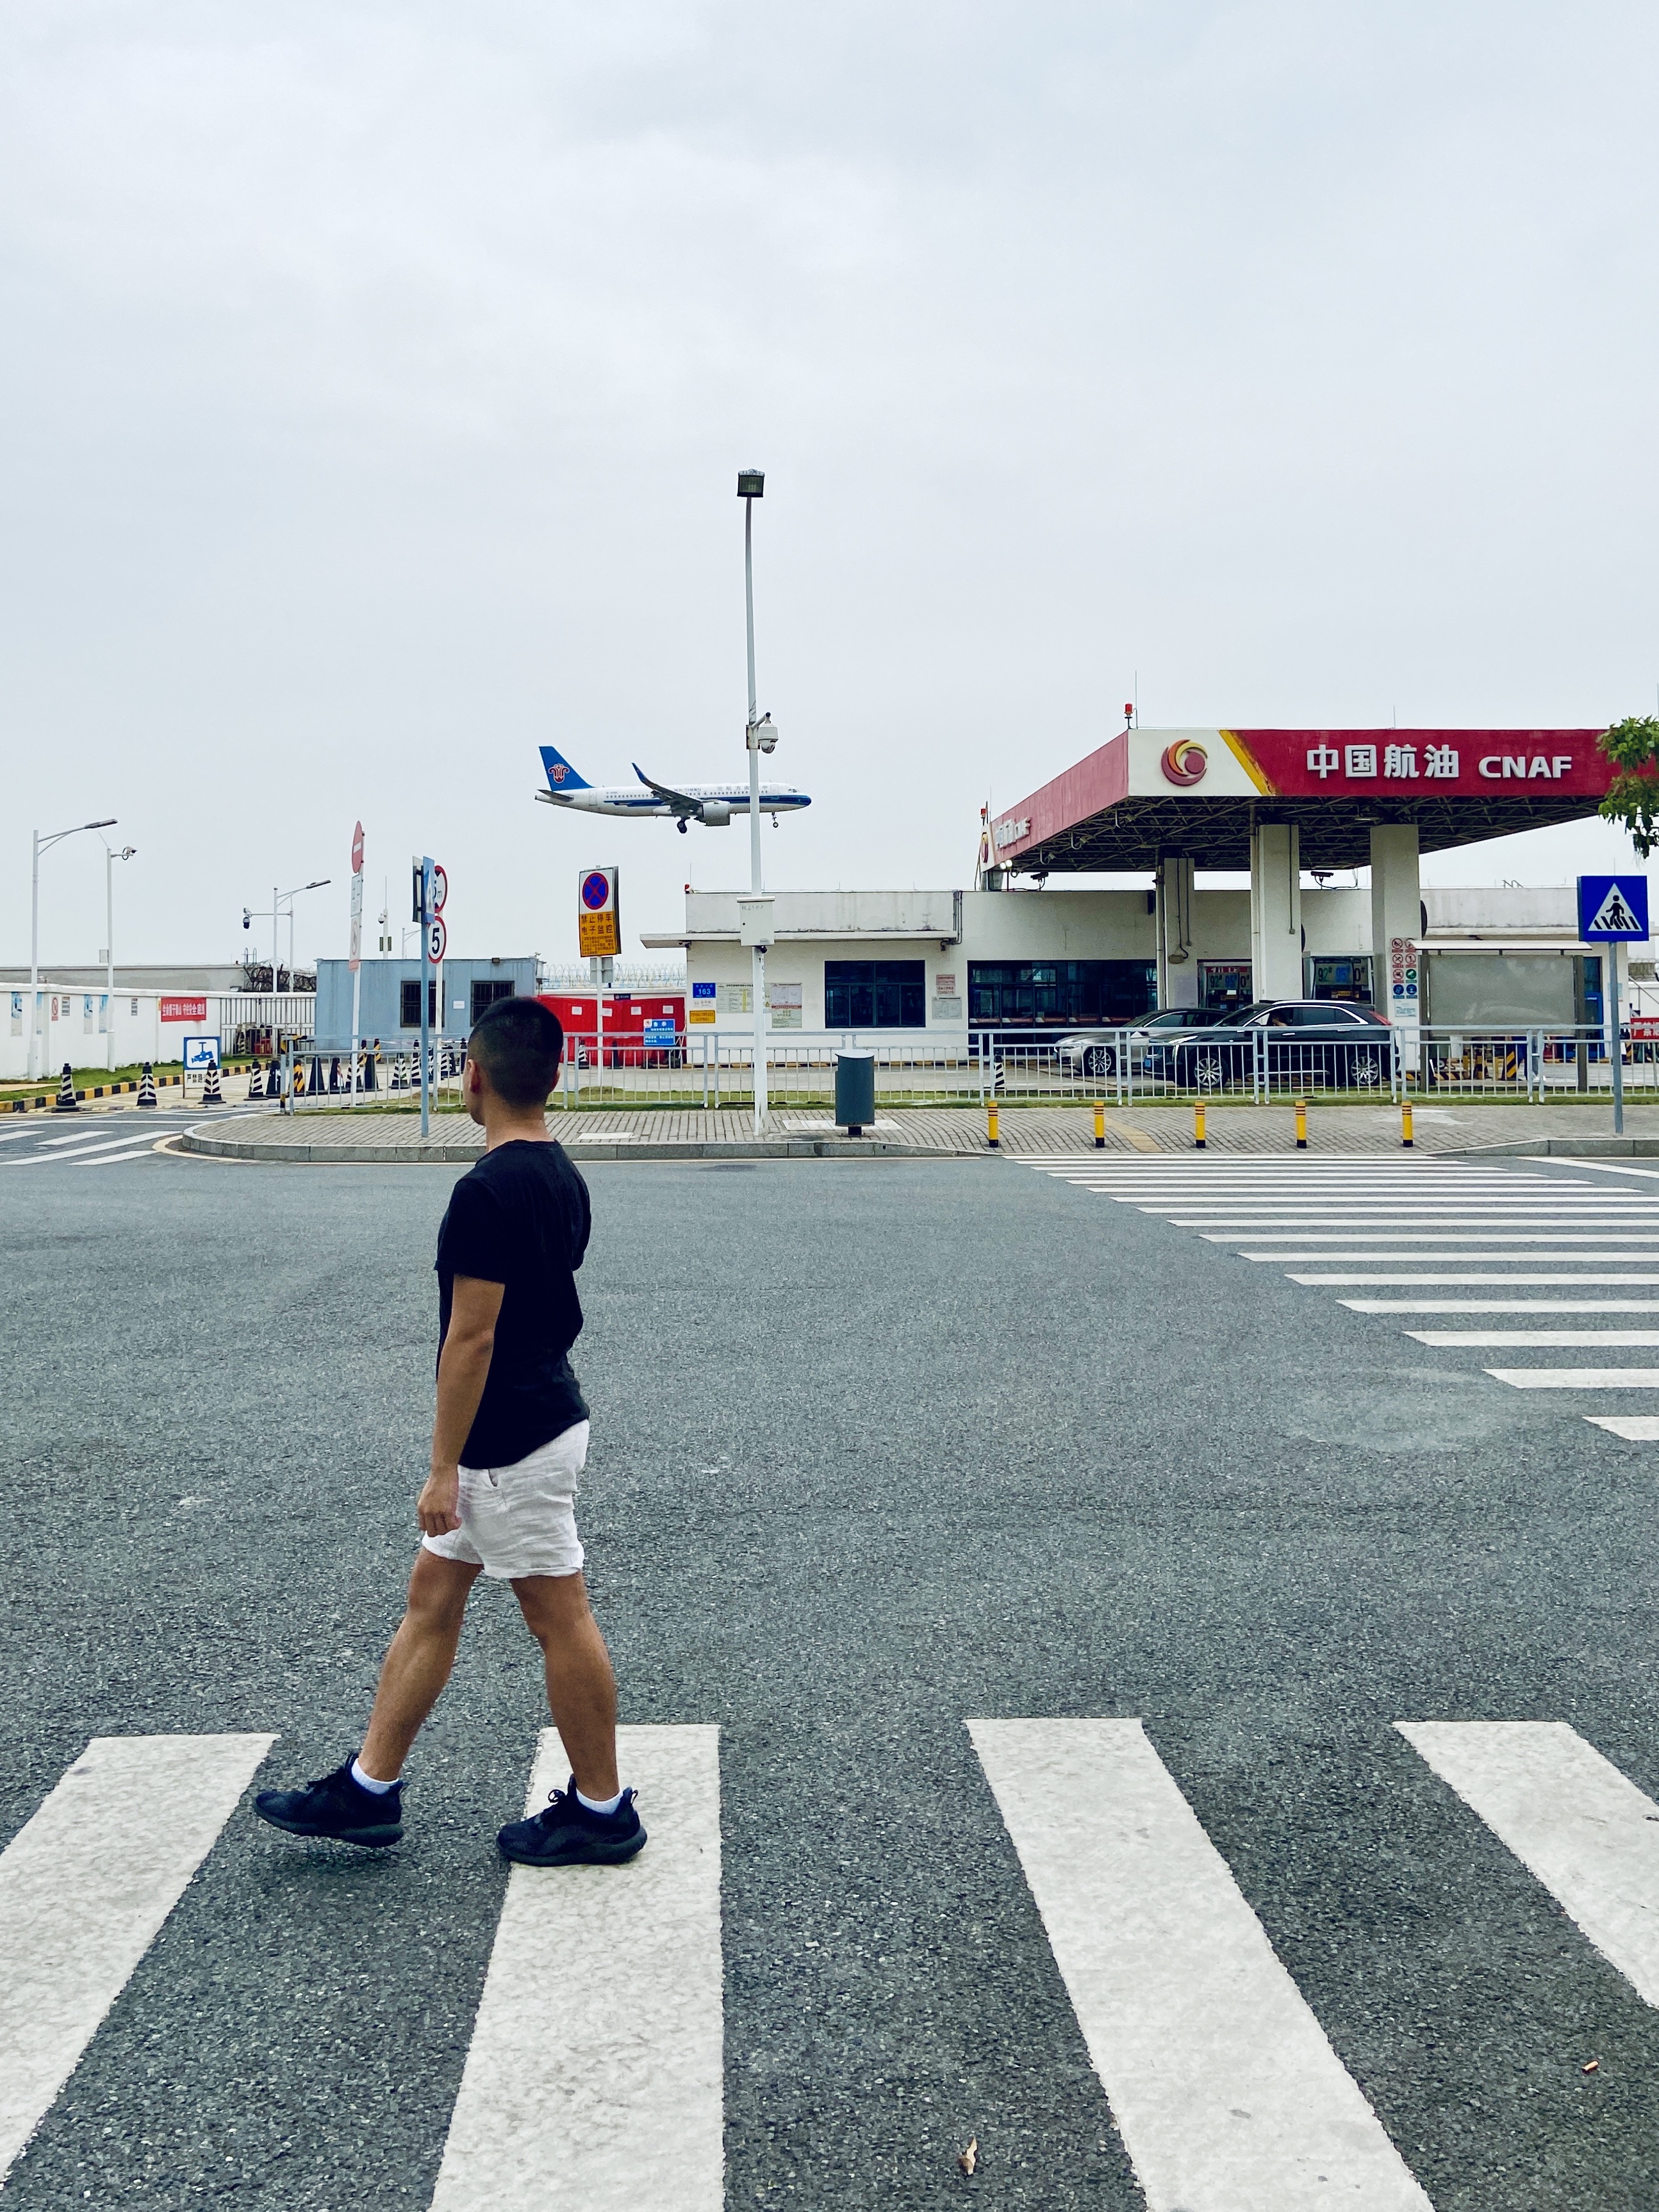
(376,379)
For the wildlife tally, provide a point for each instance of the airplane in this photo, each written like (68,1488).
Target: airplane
(711,803)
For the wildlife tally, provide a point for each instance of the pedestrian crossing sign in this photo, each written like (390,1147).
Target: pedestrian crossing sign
(1612,909)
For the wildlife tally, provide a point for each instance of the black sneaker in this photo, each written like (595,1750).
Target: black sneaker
(336,1806)
(568,1834)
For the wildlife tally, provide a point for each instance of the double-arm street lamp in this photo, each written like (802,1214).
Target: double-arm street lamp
(44,845)
(275,910)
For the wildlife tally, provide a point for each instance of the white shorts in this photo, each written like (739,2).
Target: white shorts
(521,1520)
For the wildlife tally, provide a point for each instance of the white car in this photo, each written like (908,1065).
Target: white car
(1093,1053)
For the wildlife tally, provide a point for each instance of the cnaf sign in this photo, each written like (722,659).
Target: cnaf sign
(184,1010)
(1312,763)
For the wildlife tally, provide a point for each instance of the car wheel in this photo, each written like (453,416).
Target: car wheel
(1209,1071)
(1365,1070)
(1100,1060)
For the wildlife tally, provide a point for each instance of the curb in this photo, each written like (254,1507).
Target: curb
(407,1156)
(1571,1148)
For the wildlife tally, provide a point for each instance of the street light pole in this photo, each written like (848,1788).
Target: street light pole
(111,856)
(44,845)
(751,486)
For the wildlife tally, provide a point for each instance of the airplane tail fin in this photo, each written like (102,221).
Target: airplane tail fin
(561,776)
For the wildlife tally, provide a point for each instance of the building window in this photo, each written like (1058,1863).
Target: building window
(485,994)
(1023,994)
(875,995)
(409,1004)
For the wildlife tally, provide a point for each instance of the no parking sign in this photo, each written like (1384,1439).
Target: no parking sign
(598,914)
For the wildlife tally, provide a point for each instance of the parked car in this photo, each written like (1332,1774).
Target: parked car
(1093,1053)
(1307,1040)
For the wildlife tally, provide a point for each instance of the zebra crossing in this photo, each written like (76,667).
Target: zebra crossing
(1228,2092)
(1456,1233)
(100,1141)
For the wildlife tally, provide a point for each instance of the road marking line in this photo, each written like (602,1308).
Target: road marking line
(1461,1259)
(595,2072)
(75,1159)
(1228,2095)
(1504,1305)
(1430,1236)
(1570,1817)
(1608,1167)
(1542,1339)
(1559,1282)
(114,1159)
(1578,1378)
(85,1885)
(1635,1428)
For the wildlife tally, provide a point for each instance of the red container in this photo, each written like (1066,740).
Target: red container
(641,1030)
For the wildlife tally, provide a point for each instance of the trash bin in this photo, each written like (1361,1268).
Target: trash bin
(854,1091)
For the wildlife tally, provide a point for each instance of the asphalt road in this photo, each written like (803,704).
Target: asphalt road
(877,1449)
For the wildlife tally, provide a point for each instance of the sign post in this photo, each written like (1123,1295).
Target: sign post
(599,939)
(1612,910)
(430,888)
(355,962)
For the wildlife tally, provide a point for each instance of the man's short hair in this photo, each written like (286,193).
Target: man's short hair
(518,1043)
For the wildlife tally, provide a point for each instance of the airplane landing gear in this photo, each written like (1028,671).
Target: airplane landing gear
(680,825)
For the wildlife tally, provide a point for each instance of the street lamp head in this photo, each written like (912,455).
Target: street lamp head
(319,884)
(108,823)
(751,484)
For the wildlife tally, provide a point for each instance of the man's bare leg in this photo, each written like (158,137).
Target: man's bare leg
(580,1687)
(418,1662)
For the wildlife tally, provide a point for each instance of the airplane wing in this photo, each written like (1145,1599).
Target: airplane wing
(677,801)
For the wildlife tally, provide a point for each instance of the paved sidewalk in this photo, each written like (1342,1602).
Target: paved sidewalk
(364,1134)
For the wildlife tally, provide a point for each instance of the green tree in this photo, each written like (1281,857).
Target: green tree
(1633,747)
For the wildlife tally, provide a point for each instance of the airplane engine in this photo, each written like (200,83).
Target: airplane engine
(715,813)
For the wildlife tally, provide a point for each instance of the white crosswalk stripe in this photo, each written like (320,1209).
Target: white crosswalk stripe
(568,2097)
(1570,1816)
(76,1917)
(1225,2088)
(1428,1216)
(1226,2091)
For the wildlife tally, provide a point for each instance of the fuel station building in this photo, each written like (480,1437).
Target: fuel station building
(1165,804)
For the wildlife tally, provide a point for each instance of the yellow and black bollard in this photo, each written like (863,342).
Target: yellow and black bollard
(992,1138)
(1099,1125)
(1405,1137)
(1302,1124)
(1197,1125)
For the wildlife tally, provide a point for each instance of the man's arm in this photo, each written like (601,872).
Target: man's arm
(463,1370)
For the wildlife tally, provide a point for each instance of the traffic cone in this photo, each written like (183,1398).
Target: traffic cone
(255,1081)
(371,1069)
(211,1094)
(147,1087)
(319,1082)
(334,1076)
(66,1101)
(397,1073)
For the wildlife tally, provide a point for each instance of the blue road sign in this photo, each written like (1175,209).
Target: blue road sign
(1612,909)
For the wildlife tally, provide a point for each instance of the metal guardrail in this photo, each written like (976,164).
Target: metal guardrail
(711,1068)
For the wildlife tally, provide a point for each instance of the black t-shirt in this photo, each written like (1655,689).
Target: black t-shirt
(521,1218)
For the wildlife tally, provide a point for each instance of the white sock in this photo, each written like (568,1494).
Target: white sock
(368,1782)
(602,1804)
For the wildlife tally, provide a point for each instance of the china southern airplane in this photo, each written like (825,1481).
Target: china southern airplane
(711,803)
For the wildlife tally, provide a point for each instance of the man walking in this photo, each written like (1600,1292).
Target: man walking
(509,1439)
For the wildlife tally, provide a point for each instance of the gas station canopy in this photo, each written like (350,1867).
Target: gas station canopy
(1147,794)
